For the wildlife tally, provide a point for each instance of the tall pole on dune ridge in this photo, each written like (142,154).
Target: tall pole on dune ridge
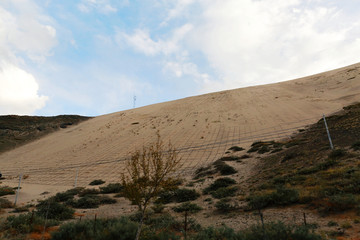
(134,101)
(328,133)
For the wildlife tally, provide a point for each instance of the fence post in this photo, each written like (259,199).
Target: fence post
(305,219)
(263,225)
(328,133)
(18,190)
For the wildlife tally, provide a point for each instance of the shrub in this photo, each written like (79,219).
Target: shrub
(219,183)
(4,203)
(5,190)
(96,182)
(341,202)
(184,195)
(223,168)
(337,153)
(204,171)
(281,197)
(236,149)
(63,196)
(356,146)
(178,195)
(332,224)
(20,209)
(85,202)
(158,208)
(54,210)
(25,223)
(88,191)
(229,158)
(100,229)
(224,205)
(224,192)
(211,233)
(111,188)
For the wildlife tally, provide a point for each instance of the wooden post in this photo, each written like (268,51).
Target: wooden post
(262,223)
(304,218)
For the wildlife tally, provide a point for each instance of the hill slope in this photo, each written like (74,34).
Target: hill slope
(201,127)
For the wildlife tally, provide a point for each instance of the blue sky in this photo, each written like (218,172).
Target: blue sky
(91,57)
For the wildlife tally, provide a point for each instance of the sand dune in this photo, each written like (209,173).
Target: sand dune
(201,127)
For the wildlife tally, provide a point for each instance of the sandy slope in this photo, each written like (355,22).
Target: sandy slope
(201,127)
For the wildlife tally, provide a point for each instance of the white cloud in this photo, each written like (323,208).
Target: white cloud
(142,42)
(103,6)
(24,31)
(19,91)
(257,42)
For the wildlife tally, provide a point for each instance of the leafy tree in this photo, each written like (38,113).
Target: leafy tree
(148,173)
(187,208)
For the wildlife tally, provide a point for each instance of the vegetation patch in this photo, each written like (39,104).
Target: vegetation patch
(111,188)
(96,182)
(236,149)
(5,190)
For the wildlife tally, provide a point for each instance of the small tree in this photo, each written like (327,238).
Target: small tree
(148,173)
(187,208)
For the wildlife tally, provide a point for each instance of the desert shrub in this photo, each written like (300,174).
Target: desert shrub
(229,158)
(225,169)
(101,229)
(63,196)
(111,188)
(224,192)
(20,209)
(164,221)
(204,171)
(211,233)
(289,156)
(75,191)
(264,149)
(96,182)
(184,195)
(54,210)
(5,190)
(337,153)
(332,224)
(236,149)
(280,231)
(178,195)
(158,208)
(88,191)
(25,223)
(356,146)
(219,183)
(341,202)
(224,205)
(281,197)
(245,156)
(4,203)
(91,201)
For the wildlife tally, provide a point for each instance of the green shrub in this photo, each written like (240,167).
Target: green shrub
(211,233)
(337,153)
(20,209)
(5,190)
(342,202)
(54,210)
(219,183)
(224,205)
(281,197)
(224,192)
(4,203)
(229,158)
(88,191)
(96,182)
(236,149)
(223,168)
(89,201)
(25,223)
(184,195)
(158,208)
(111,188)
(356,146)
(101,229)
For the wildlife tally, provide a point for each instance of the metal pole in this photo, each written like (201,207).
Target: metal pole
(18,190)
(328,133)
(76,177)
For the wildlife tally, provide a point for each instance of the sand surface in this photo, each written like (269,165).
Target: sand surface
(202,128)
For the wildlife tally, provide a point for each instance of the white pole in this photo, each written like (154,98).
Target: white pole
(18,190)
(76,177)
(328,133)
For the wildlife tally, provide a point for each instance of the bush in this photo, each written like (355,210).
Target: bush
(224,205)
(54,210)
(224,192)
(236,149)
(4,203)
(341,202)
(337,153)
(356,146)
(5,190)
(111,188)
(211,233)
(229,158)
(178,195)
(96,182)
(25,223)
(101,229)
(281,197)
(88,191)
(219,183)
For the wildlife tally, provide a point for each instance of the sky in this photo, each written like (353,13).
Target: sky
(91,57)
